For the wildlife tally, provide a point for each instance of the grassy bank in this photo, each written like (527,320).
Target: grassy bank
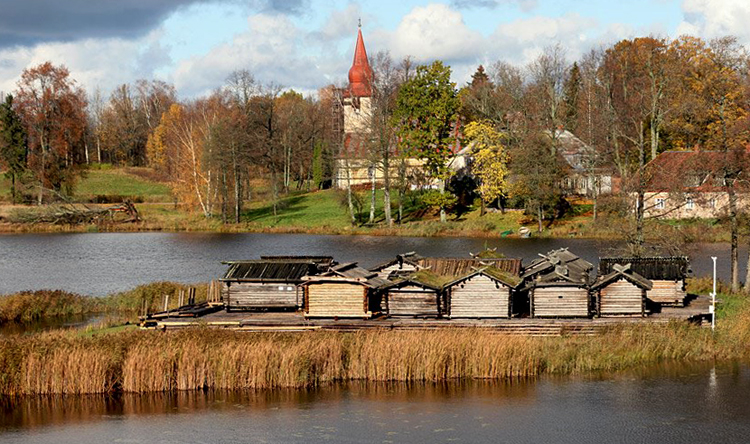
(69,362)
(325,212)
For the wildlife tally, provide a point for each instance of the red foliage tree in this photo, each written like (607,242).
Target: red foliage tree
(52,109)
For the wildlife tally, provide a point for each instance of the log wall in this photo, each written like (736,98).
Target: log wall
(413,301)
(668,293)
(559,302)
(621,298)
(331,299)
(479,297)
(260,295)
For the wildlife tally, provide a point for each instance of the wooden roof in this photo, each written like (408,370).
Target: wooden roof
(495,274)
(673,268)
(269,270)
(558,267)
(353,271)
(457,267)
(626,272)
(409,258)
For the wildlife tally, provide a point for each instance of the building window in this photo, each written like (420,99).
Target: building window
(712,203)
(689,204)
(660,203)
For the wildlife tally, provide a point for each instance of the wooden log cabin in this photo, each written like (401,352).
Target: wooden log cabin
(269,283)
(484,293)
(417,295)
(482,288)
(621,293)
(667,274)
(557,285)
(345,291)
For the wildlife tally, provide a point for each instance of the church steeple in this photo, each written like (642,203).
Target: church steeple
(360,74)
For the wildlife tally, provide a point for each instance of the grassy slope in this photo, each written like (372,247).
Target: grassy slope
(110,181)
(120,182)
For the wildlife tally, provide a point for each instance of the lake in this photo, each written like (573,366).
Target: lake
(667,404)
(100,263)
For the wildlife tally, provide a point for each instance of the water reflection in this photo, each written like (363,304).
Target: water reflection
(670,404)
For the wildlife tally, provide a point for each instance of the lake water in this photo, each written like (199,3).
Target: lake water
(676,404)
(100,263)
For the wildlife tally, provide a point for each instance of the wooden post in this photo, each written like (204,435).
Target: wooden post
(166,302)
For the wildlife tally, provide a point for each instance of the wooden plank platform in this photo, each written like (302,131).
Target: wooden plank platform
(695,310)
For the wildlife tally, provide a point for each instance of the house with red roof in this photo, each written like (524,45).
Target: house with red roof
(694,184)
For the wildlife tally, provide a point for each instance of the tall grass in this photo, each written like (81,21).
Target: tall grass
(197,359)
(29,306)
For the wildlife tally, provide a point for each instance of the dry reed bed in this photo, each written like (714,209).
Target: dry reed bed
(30,306)
(150,361)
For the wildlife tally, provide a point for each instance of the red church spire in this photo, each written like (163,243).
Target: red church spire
(360,74)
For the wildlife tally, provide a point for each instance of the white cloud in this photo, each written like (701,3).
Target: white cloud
(522,40)
(92,63)
(716,18)
(434,32)
(269,49)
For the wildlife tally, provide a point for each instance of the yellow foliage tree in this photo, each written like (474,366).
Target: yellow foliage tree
(490,164)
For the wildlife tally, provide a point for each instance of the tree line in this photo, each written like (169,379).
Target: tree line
(626,102)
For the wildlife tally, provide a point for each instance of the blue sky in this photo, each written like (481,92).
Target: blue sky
(307,44)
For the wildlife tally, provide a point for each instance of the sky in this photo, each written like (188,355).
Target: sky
(308,44)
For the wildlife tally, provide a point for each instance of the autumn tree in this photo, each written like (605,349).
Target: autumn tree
(490,163)
(13,151)
(426,116)
(52,108)
(183,148)
(123,129)
(537,176)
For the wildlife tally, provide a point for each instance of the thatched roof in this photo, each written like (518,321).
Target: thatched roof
(623,272)
(673,268)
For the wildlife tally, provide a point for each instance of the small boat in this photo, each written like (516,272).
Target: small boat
(524,232)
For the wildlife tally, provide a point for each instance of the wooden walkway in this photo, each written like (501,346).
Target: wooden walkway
(696,310)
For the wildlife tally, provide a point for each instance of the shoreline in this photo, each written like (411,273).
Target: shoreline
(432,231)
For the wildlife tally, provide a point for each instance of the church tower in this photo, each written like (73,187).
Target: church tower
(357,107)
(358,100)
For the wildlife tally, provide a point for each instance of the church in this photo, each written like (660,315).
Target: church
(353,166)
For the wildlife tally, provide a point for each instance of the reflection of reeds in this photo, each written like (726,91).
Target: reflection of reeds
(150,361)
(29,306)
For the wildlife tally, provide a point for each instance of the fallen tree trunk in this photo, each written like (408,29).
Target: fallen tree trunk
(72,214)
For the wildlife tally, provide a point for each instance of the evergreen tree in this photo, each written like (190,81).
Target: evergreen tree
(12,144)
(571,91)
